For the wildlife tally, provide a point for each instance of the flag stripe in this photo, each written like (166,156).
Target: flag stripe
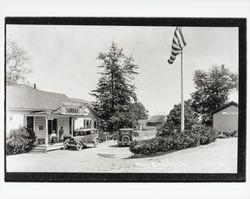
(174,47)
(182,37)
(177,45)
(177,37)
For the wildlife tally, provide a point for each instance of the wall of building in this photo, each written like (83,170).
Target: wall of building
(64,122)
(40,126)
(226,120)
(14,121)
(84,122)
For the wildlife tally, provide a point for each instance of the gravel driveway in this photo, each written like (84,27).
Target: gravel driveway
(217,157)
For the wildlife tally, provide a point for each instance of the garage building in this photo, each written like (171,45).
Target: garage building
(225,119)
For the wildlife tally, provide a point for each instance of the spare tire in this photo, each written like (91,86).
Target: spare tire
(125,138)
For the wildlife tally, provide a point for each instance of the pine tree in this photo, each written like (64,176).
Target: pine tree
(115,92)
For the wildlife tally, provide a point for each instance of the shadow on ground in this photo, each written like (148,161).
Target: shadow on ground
(161,153)
(117,146)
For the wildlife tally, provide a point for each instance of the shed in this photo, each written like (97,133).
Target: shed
(225,119)
(156,120)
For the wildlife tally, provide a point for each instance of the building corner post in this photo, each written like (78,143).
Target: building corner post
(46,134)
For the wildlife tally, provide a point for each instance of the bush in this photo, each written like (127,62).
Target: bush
(175,141)
(235,134)
(231,134)
(173,121)
(144,147)
(164,144)
(19,141)
(207,134)
(135,133)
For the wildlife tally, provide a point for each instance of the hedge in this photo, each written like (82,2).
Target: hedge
(175,141)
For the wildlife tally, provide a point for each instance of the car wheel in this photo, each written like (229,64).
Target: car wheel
(125,138)
(65,146)
(79,146)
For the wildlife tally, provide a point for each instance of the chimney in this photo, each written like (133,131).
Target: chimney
(34,86)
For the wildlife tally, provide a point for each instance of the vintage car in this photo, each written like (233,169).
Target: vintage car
(125,136)
(81,138)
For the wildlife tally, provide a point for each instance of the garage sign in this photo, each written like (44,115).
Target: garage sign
(73,108)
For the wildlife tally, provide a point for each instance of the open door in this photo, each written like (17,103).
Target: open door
(52,125)
(30,123)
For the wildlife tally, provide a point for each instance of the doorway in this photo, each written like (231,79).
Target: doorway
(30,124)
(52,125)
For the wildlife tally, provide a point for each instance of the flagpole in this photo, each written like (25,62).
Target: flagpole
(182,101)
(177,48)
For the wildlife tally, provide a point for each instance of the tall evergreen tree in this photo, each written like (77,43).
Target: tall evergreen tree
(115,92)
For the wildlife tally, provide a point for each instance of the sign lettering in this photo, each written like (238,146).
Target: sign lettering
(72,108)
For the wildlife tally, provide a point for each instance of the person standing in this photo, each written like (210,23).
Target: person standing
(61,132)
(52,137)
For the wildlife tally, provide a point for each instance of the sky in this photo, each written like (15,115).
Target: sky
(64,58)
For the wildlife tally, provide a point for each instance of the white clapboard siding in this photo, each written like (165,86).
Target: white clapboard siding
(64,122)
(40,121)
(25,121)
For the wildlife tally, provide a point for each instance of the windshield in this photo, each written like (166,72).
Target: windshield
(84,133)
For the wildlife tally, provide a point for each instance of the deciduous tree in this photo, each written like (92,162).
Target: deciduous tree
(17,61)
(173,121)
(212,90)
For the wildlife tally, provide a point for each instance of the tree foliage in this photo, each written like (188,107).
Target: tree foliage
(212,90)
(17,61)
(173,122)
(138,112)
(115,92)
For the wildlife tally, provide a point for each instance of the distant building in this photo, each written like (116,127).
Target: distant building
(156,120)
(225,119)
(43,112)
(142,124)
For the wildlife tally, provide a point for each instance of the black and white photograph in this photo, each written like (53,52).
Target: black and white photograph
(116,98)
(124,99)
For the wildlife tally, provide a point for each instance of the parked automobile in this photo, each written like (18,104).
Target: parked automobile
(81,138)
(125,136)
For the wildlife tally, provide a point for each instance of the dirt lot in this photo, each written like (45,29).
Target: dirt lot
(218,157)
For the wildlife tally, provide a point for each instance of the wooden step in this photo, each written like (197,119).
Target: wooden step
(38,149)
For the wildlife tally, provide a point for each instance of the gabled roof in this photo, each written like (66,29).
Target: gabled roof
(142,121)
(23,97)
(79,100)
(157,118)
(232,103)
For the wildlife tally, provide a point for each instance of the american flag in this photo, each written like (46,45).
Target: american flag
(178,44)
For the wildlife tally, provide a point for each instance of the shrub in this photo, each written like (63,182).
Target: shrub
(221,135)
(231,134)
(19,141)
(235,134)
(173,121)
(144,147)
(135,133)
(207,134)
(175,141)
